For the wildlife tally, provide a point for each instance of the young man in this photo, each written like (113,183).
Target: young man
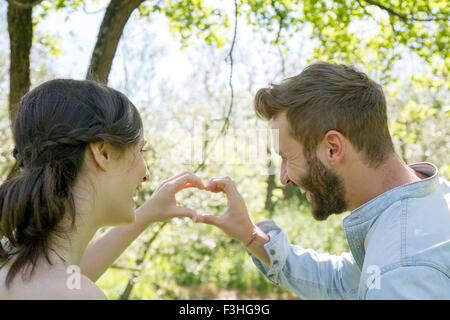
(335,146)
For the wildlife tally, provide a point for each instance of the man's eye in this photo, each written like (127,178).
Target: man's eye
(144,150)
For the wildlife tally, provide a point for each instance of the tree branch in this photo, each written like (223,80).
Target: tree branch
(226,122)
(230,78)
(138,264)
(277,42)
(403,16)
(116,16)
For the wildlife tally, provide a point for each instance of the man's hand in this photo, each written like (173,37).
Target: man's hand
(235,221)
(162,205)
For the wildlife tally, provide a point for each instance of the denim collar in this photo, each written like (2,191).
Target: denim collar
(358,223)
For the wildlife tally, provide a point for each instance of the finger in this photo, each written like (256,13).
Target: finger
(224,184)
(189,185)
(181,212)
(180,183)
(207,219)
(173,177)
(215,187)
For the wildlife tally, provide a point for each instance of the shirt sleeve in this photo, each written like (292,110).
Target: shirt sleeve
(409,283)
(307,273)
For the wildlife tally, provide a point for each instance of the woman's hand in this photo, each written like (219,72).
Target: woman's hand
(162,205)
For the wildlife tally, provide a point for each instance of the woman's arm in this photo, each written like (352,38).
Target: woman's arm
(102,252)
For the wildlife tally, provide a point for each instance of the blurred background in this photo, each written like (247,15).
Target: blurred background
(192,68)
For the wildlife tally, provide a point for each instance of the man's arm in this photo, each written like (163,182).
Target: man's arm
(307,273)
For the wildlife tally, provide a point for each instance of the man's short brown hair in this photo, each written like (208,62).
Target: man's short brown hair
(325,97)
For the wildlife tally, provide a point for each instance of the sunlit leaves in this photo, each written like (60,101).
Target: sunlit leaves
(418,25)
(51,44)
(191,19)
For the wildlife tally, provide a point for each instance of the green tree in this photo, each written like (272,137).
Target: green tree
(420,26)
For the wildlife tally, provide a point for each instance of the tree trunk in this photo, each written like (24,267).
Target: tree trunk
(271,185)
(20,29)
(111,29)
(269,205)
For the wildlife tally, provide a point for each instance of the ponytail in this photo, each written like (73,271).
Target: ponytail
(32,205)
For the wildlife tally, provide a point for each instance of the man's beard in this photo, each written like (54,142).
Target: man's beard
(326,190)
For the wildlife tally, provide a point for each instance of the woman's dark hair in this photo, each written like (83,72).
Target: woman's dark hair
(55,123)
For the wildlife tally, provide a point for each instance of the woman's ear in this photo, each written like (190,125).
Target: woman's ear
(101,154)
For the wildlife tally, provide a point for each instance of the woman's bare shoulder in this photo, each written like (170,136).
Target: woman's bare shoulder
(87,290)
(50,286)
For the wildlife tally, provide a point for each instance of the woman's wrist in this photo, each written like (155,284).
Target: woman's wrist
(145,215)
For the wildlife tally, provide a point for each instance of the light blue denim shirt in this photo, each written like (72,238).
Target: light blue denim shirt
(399,243)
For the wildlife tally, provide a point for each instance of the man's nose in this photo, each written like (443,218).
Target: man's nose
(284,178)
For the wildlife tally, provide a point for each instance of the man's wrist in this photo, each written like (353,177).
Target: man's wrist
(257,246)
(255,238)
(261,238)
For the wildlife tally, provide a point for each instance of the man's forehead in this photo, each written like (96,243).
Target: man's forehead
(275,135)
(282,141)
(279,121)
(279,126)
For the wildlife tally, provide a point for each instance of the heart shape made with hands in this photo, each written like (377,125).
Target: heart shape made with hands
(234,221)
(201,200)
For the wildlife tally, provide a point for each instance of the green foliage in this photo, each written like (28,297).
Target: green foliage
(50,43)
(44,7)
(420,26)
(191,18)
(420,122)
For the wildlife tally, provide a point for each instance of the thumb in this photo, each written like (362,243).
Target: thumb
(181,212)
(207,219)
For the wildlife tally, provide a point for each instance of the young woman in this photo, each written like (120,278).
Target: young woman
(79,148)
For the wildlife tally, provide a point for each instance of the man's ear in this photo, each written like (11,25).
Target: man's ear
(333,147)
(101,154)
